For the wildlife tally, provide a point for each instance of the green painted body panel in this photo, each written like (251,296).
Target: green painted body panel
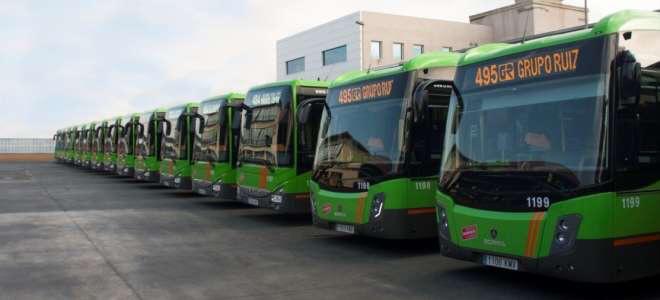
(177,168)
(285,178)
(147,164)
(400,194)
(280,177)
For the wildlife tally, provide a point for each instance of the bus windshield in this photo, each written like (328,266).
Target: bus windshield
(268,139)
(361,139)
(143,143)
(211,145)
(172,143)
(540,131)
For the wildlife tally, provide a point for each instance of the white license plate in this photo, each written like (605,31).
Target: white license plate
(253,201)
(345,228)
(500,262)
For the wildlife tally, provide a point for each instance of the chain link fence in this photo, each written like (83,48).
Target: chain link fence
(27,145)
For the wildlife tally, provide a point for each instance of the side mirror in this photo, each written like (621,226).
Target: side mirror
(222,115)
(631,78)
(140,129)
(248,119)
(202,123)
(236,120)
(268,140)
(420,102)
(168,126)
(305,109)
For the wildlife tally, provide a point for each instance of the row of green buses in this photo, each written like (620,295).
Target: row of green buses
(539,156)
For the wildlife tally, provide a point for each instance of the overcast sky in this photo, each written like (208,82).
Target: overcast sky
(68,62)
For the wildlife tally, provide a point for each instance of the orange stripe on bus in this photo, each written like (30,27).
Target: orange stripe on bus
(359,209)
(421,211)
(637,240)
(263,174)
(532,233)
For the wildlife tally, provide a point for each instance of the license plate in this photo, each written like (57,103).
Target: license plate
(500,262)
(345,228)
(253,201)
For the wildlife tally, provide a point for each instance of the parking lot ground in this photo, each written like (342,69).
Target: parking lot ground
(67,233)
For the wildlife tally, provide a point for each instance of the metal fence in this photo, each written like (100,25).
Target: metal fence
(27,145)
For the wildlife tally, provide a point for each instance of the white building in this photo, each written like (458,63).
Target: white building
(368,39)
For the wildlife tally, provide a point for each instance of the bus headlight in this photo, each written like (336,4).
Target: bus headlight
(377,205)
(443,223)
(277,197)
(565,234)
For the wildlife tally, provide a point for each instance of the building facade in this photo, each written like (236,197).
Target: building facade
(364,39)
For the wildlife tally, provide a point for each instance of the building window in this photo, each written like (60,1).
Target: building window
(334,55)
(446,49)
(376,52)
(397,51)
(295,65)
(418,50)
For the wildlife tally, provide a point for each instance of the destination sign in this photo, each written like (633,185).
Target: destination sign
(573,59)
(369,90)
(268,96)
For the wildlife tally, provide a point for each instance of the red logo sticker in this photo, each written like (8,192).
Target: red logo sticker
(469,232)
(326,208)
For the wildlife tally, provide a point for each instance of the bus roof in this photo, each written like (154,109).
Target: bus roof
(229,96)
(295,82)
(436,59)
(626,20)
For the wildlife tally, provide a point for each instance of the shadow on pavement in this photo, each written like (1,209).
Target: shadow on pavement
(382,246)
(271,218)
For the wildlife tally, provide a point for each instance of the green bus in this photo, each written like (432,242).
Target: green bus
(126,145)
(214,153)
(70,145)
(60,145)
(274,163)
(176,151)
(378,155)
(88,141)
(111,141)
(98,144)
(552,154)
(149,139)
(81,142)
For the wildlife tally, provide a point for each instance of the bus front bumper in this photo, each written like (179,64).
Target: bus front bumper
(149,176)
(109,168)
(392,224)
(285,203)
(126,171)
(597,260)
(218,190)
(97,166)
